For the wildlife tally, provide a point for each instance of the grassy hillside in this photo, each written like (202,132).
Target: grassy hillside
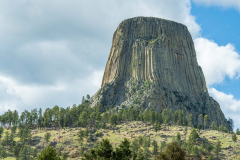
(66,140)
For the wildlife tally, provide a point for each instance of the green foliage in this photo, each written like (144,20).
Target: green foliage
(47,137)
(1,131)
(237,132)
(217,148)
(146,141)
(209,148)
(193,135)
(213,126)
(3,153)
(190,120)
(113,120)
(13,130)
(24,153)
(173,152)
(195,152)
(199,127)
(163,145)
(96,133)
(155,147)
(86,132)
(135,145)
(179,138)
(206,121)
(157,127)
(64,156)
(210,157)
(201,119)
(80,135)
(234,138)
(49,153)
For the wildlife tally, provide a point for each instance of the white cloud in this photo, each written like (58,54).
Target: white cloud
(53,52)
(27,97)
(221,3)
(217,61)
(229,105)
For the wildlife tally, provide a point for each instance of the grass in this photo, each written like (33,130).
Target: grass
(132,130)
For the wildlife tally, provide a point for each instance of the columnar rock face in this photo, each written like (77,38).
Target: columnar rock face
(152,64)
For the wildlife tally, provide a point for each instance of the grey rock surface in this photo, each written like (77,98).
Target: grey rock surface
(152,64)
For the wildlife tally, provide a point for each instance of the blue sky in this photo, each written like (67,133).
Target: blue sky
(53,52)
(221,25)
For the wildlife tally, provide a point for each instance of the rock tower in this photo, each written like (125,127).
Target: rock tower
(152,64)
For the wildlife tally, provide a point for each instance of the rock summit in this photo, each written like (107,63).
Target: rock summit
(153,64)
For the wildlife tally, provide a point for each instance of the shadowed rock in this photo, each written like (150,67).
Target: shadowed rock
(152,64)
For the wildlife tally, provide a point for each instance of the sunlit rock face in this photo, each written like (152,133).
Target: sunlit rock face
(152,64)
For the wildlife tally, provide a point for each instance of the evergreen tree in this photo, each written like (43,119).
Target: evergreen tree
(86,132)
(201,119)
(113,120)
(199,127)
(206,121)
(155,147)
(80,135)
(1,132)
(64,156)
(195,152)
(185,132)
(237,132)
(47,137)
(163,145)
(135,146)
(234,138)
(173,152)
(88,97)
(213,126)
(83,100)
(49,153)
(24,153)
(13,130)
(3,153)
(190,120)
(165,116)
(217,148)
(83,119)
(123,151)
(179,138)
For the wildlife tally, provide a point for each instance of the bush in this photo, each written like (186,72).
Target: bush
(96,133)
(173,152)
(49,153)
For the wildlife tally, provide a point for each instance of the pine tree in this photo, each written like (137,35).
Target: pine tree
(24,153)
(206,121)
(3,153)
(213,126)
(155,147)
(179,138)
(190,120)
(195,152)
(217,148)
(49,153)
(201,119)
(185,132)
(199,127)
(47,137)
(234,138)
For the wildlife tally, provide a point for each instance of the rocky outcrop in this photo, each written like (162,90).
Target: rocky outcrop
(152,64)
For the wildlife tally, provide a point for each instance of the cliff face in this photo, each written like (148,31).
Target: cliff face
(152,64)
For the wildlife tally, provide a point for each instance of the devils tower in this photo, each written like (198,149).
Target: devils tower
(152,64)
